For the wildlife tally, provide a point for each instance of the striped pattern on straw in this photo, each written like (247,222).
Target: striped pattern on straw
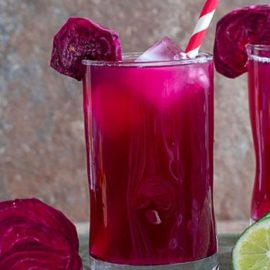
(201,28)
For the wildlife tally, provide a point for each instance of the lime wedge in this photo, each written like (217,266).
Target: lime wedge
(252,250)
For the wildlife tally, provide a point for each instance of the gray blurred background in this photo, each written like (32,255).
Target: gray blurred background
(41,123)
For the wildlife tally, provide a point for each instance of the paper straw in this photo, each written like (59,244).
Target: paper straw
(201,28)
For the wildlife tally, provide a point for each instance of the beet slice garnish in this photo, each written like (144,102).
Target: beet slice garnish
(39,258)
(33,211)
(249,25)
(81,38)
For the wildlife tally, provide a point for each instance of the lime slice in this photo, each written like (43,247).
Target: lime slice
(252,250)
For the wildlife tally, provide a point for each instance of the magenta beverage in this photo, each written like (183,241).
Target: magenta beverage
(259,106)
(149,139)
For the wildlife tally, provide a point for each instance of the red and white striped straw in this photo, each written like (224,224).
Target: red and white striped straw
(201,28)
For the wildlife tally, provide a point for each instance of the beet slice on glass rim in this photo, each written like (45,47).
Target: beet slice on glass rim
(249,25)
(81,38)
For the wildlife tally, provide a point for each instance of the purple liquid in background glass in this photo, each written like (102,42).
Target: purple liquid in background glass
(149,139)
(259,109)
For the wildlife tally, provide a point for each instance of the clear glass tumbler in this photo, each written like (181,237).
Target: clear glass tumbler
(259,109)
(149,141)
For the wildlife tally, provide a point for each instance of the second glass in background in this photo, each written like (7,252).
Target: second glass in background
(259,109)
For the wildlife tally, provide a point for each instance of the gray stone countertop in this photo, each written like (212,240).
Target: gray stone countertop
(228,232)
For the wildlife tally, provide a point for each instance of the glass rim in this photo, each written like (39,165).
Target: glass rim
(130,57)
(257,47)
(258,52)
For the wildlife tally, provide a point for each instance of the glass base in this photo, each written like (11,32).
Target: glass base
(251,221)
(209,263)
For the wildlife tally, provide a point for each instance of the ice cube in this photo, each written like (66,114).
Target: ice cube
(198,76)
(163,50)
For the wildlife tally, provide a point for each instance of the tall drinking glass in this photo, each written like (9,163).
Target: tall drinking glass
(149,141)
(259,108)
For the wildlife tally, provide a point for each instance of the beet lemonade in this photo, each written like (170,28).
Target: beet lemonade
(242,44)
(259,104)
(149,134)
(149,143)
